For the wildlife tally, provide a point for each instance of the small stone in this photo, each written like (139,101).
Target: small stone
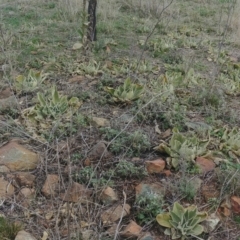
(87,235)
(114,213)
(76,193)
(25,196)
(5,93)
(25,179)
(210,191)
(17,157)
(28,193)
(111,231)
(8,103)
(4,169)
(6,189)
(77,46)
(100,122)
(205,164)
(235,202)
(155,166)
(136,159)
(98,151)
(108,196)
(50,185)
(132,230)
(23,235)
(167,173)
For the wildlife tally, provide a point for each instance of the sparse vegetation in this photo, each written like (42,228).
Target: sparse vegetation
(8,230)
(163,80)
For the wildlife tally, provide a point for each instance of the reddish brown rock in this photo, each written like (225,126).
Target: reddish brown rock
(6,189)
(50,185)
(114,213)
(155,166)
(132,230)
(25,179)
(235,202)
(76,193)
(205,164)
(108,196)
(167,173)
(17,158)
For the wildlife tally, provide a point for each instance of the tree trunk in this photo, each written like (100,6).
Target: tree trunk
(92,32)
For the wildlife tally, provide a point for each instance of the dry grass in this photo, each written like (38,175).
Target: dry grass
(188,30)
(235,23)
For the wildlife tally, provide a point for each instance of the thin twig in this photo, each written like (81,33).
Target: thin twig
(120,220)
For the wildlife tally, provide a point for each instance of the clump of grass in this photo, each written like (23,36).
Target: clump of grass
(8,230)
(132,144)
(187,189)
(88,175)
(148,206)
(126,169)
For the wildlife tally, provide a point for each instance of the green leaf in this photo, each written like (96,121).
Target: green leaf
(163,220)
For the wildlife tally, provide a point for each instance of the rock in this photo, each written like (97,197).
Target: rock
(144,189)
(210,191)
(25,196)
(108,196)
(114,213)
(76,193)
(50,185)
(205,164)
(6,189)
(98,151)
(167,173)
(4,169)
(88,235)
(100,122)
(111,231)
(17,157)
(235,202)
(77,46)
(8,103)
(28,193)
(22,235)
(155,166)
(25,179)
(6,93)
(132,230)
(146,236)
